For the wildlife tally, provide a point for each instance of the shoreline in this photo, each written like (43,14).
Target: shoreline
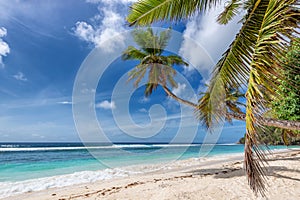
(109,174)
(192,168)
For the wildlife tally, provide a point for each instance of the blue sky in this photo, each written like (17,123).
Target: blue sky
(44,43)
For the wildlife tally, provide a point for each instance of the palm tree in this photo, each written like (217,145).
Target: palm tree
(152,61)
(252,61)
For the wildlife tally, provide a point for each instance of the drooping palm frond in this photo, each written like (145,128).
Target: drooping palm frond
(232,70)
(262,25)
(211,108)
(271,44)
(233,104)
(137,73)
(231,108)
(144,12)
(231,10)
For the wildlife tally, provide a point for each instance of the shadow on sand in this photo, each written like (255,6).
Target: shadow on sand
(235,169)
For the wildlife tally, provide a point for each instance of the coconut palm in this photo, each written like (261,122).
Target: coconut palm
(252,61)
(152,61)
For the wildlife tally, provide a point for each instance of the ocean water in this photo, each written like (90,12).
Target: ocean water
(28,167)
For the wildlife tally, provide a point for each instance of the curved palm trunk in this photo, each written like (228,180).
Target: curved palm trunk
(284,124)
(171,94)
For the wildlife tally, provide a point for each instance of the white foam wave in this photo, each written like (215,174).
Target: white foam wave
(15,148)
(132,146)
(50,148)
(9,189)
(175,145)
(14,188)
(153,145)
(228,144)
(9,145)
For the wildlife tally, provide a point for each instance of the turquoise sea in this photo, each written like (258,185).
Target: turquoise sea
(35,160)
(22,164)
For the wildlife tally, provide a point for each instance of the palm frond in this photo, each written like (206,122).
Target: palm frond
(144,12)
(169,72)
(269,48)
(131,53)
(141,36)
(231,10)
(284,137)
(146,39)
(164,38)
(176,60)
(272,43)
(211,107)
(137,73)
(150,87)
(232,70)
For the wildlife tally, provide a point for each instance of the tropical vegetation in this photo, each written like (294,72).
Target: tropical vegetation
(252,61)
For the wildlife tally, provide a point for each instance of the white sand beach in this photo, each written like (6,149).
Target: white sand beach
(210,178)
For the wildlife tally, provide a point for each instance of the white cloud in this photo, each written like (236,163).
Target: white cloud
(206,40)
(93,1)
(65,102)
(179,90)
(105,34)
(110,1)
(85,31)
(4,48)
(182,92)
(144,99)
(3,32)
(106,105)
(20,76)
(143,110)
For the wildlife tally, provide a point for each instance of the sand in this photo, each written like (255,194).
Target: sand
(212,178)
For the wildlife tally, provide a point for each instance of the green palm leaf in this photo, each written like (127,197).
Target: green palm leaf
(232,70)
(132,53)
(231,10)
(269,47)
(144,12)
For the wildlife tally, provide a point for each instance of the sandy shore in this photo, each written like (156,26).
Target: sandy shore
(214,178)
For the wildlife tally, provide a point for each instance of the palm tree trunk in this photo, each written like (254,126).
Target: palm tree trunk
(284,124)
(278,123)
(171,94)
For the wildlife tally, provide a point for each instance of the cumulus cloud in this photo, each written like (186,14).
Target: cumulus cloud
(20,76)
(106,105)
(205,40)
(105,34)
(4,48)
